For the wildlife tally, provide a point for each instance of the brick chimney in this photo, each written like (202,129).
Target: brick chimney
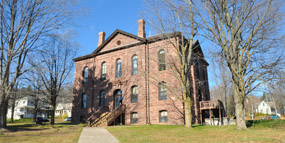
(101,38)
(141,30)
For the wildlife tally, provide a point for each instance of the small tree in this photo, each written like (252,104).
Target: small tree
(56,56)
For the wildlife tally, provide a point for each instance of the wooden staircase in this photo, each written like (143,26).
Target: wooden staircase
(106,118)
(97,113)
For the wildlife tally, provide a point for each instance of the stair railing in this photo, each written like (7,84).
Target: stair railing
(111,116)
(96,114)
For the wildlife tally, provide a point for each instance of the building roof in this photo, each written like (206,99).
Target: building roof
(65,106)
(271,104)
(154,38)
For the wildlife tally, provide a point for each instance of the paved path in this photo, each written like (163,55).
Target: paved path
(96,135)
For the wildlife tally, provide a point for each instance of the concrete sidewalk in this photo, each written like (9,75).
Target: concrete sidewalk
(96,135)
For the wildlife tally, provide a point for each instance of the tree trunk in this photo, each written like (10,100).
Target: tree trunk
(239,97)
(13,109)
(188,115)
(240,120)
(52,116)
(35,111)
(3,114)
(53,106)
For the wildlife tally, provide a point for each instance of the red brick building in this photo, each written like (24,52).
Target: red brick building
(134,70)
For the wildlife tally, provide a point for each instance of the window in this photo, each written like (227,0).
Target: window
(135,65)
(162,91)
(163,116)
(85,75)
(161,60)
(84,99)
(104,71)
(134,96)
(134,117)
(119,68)
(102,98)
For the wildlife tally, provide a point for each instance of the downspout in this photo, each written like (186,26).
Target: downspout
(148,101)
(147,83)
(93,77)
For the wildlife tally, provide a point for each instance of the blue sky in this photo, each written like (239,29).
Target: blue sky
(109,15)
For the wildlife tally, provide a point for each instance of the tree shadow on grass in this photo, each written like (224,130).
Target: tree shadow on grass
(26,127)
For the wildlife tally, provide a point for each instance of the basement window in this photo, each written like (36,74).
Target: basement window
(134,117)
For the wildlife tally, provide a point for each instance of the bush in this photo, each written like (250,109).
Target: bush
(260,114)
(65,115)
(266,123)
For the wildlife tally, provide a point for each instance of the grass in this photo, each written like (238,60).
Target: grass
(258,131)
(25,120)
(26,131)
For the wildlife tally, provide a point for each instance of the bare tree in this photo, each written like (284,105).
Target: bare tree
(277,92)
(222,79)
(36,90)
(247,33)
(22,24)
(12,101)
(56,56)
(65,95)
(167,16)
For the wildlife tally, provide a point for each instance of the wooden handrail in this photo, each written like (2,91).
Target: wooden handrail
(211,104)
(116,112)
(111,116)
(97,111)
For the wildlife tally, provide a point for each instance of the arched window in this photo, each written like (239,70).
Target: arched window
(118,68)
(135,65)
(161,60)
(104,71)
(102,98)
(85,75)
(84,100)
(134,96)
(163,116)
(134,117)
(162,91)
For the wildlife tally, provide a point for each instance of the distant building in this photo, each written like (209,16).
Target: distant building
(63,108)
(265,108)
(24,108)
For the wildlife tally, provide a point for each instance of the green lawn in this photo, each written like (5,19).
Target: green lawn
(258,131)
(26,131)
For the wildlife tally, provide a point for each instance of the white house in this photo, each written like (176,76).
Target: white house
(24,108)
(265,108)
(63,108)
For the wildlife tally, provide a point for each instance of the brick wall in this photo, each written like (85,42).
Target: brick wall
(173,105)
